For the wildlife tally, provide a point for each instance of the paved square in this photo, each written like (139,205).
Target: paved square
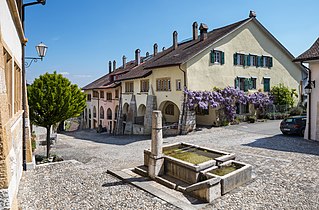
(285,170)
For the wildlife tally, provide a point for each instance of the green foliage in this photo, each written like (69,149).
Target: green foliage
(296,111)
(283,95)
(52,99)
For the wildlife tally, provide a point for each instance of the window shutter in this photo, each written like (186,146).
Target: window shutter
(236,82)
(245,60)
(212,56)
(270,62)
(222,58)
(258,61)
(250,81)
(246,85)
(235,59)
(248,60)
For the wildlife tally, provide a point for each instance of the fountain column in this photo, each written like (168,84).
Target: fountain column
(156,160)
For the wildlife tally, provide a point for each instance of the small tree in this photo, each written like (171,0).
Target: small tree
(282,95)
(52,99)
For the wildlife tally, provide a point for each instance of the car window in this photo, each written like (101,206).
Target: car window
(289,120)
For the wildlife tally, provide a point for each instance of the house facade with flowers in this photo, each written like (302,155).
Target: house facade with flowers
(244,55)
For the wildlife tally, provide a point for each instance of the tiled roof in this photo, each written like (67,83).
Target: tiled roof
(105,79)
(184,52)
(189,49)
(311,54)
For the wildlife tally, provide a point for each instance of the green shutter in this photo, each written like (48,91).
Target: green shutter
(251,84)
(259,61)
(222,58)
(266,84)
(212,57)
(236,82)
(235,59)
(270,62)
(246,85)
(248,60)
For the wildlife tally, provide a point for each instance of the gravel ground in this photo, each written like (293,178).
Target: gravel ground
(285,171)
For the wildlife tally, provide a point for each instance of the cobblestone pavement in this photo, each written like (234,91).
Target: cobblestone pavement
(285,170)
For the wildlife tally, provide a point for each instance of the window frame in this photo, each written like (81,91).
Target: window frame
(163,84)
(169,109)
(129,87)
(144,85)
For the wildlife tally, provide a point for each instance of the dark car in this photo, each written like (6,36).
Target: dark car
(294,125)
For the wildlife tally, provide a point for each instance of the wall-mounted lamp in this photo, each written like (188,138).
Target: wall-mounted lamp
(309,86)
(41,50)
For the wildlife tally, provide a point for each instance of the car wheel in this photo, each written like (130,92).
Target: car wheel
(285,133)
(302,132)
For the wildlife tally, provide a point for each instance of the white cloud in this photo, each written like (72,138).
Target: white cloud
(64,73)
(83,75)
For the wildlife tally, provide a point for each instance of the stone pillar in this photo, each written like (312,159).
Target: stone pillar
(131,116)
(151,105)
(156,161)
(187,121)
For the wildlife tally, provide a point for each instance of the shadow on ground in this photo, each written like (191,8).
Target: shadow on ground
(105,138)
(287,144)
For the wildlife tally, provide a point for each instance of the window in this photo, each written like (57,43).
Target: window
(109,96)
(266,84)
(245,84)
(252,61)
(169,110)
(129,87)
(94,111)
(109,114)
(17,89)
(163,84)
(200,111)
(217,57)
(101,112)
(266,61)
(8,76)
(242,108)
(95,94)
(178,84)
(89,97)
(145,85)
(102,94)
(116,93)
(239,59)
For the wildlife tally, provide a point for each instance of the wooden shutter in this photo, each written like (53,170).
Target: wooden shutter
(212,56)
(246,81)
(222,58)
(270,62)
(235,59)
(248,60)
(236,82)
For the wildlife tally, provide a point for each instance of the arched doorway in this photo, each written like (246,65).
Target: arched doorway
(125,111)
(94,112)
(170,112)
(141,110)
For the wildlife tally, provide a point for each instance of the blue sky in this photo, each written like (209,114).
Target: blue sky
(83,35)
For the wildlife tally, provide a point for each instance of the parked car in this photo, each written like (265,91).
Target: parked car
(294,125)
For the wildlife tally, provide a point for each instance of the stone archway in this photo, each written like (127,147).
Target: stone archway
(170,112)
(141,110)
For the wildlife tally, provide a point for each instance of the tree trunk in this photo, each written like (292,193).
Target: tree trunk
(48,141)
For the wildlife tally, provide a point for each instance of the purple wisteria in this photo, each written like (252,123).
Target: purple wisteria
(226,99)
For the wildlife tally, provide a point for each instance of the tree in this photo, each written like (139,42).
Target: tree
(52,99)
(283,95)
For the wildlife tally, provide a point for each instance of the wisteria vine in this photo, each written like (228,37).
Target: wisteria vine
(226,99)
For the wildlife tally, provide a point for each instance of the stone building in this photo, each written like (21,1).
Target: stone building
(11,39)
(243,54)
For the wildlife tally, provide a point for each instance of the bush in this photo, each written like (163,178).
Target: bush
(277,115)
(296,111)
(251,118)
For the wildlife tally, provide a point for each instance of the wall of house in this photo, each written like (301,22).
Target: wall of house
(10,110)
(247,39)
(314,66)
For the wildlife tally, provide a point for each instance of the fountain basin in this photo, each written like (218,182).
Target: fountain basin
(231,173)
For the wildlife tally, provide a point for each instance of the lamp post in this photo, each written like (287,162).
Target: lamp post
(41,49)
(308,90)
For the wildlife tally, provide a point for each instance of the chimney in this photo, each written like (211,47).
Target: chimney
(203,31)
(252,14)
(114,65)
(124,61)
(195,31)
(175,44)
(163,48)
(138,56)
(155,49)
(110,67)
(147,54)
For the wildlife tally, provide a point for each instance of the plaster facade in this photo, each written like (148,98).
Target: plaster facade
(11,38)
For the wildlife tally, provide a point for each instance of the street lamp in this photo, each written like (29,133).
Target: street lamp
(308,88)
(41,50)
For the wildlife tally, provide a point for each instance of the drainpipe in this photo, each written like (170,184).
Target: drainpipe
(184,101)
(119,112)
(309,102)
